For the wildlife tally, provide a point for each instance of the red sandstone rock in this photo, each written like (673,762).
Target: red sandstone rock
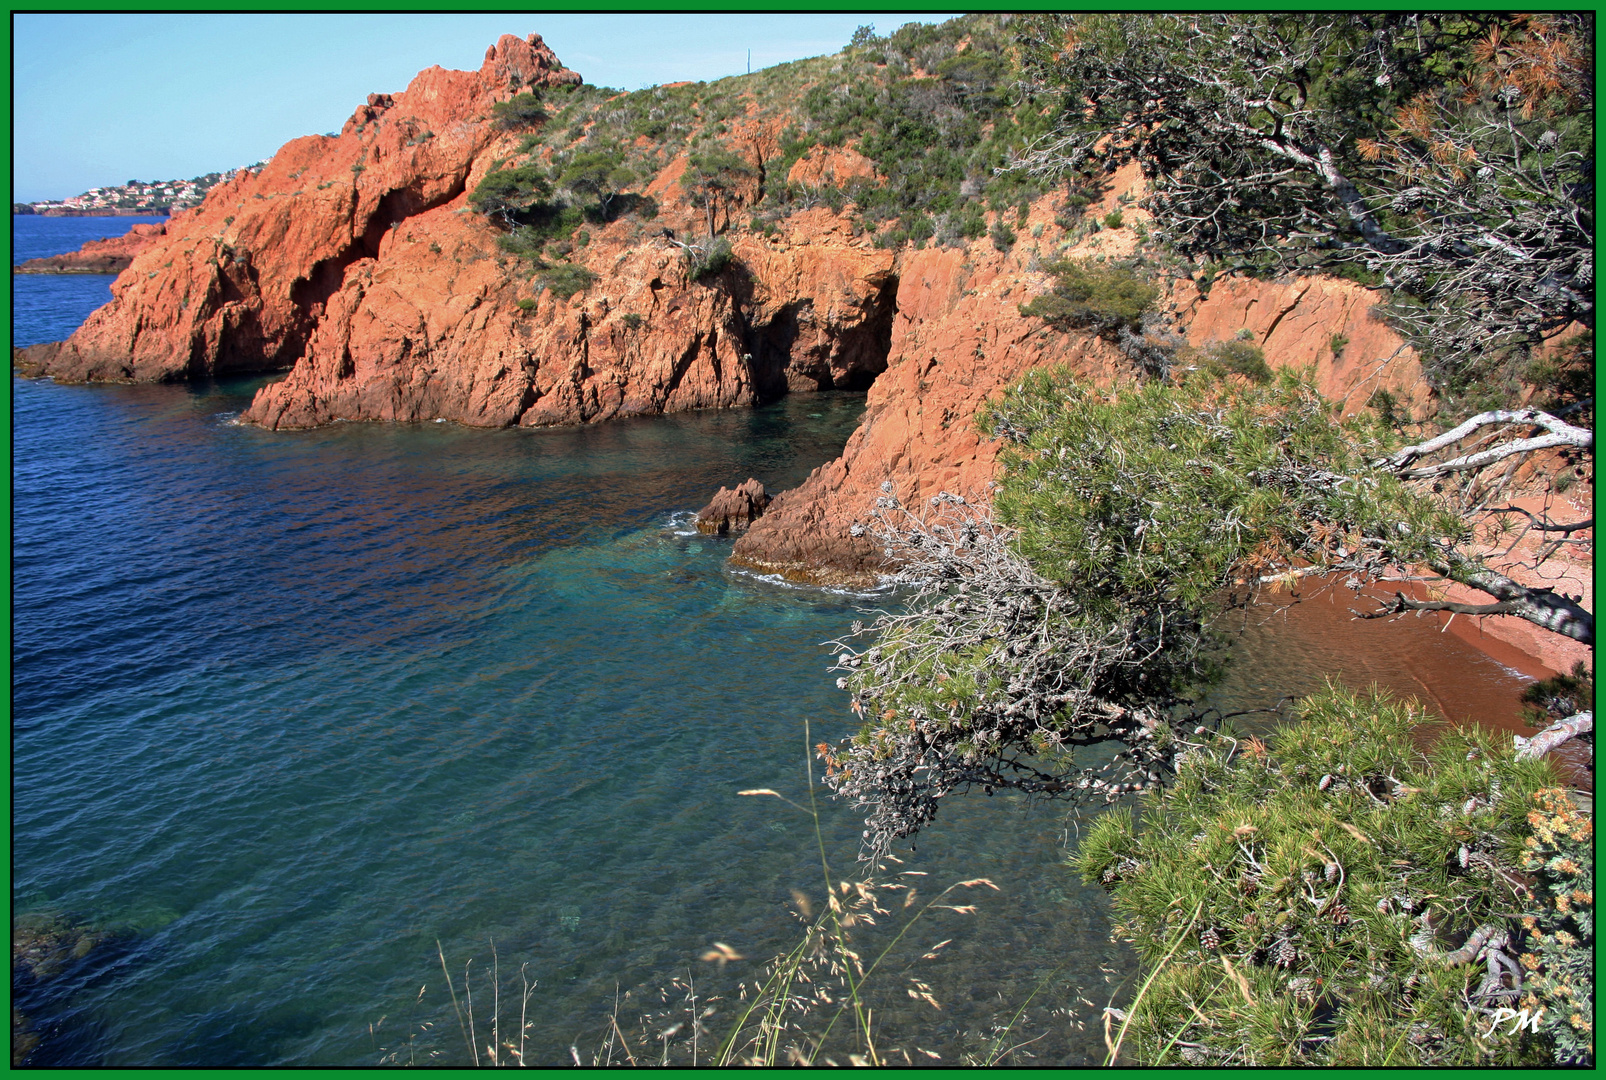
(254,266)
(1298,323)
(109,256)
(733,509)
(823,166)
(959,339)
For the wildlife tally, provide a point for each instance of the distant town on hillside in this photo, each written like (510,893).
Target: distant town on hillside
(134,197)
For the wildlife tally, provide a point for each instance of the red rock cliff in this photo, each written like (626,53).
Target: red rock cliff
(243,282)
(354,261)
(959,338)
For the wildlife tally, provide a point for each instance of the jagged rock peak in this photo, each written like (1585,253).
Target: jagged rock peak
(525,63)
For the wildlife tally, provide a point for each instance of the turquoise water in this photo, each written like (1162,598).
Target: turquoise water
(291,708)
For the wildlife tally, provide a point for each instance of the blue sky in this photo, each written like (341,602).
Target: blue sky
(103,99)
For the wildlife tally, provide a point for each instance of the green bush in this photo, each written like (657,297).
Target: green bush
(1003,236)
(1388,408)
(1238,358)
(521,111)
(1564,376)
(709,260)
(565,279)
(1086,295)
(1559,697)
(508,192)
(1086,475)
(1560,856)
(1303,904)
(931,138)
(921,229)
(972,222)
(526,304)
(1113,220)
(599,173)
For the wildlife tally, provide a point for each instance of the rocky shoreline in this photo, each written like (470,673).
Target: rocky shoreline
(355,264)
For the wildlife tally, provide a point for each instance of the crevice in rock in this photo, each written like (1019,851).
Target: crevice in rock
(394,207)
(875,340)
(311,293)
(1280,315)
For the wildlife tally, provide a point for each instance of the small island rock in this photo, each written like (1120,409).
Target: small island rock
(733,509)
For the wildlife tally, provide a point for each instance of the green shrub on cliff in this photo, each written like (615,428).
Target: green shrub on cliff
(1243,358)
(599,173)
(713,178)
(565,279)
(709,260)
(1342,897)
(518,112)
(507,193)
(1088,295)
(933,107)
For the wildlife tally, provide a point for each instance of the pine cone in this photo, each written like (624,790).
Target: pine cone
(1338,913)
(1283,954)
(1210,938)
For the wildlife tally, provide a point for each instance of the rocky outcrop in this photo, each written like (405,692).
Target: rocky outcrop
(242,284)
(733,509)
(959,339)
(435,325)
(1324,325)
(355,262)
(109,256)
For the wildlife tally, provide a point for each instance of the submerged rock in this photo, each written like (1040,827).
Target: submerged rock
(55,957)
(42,944)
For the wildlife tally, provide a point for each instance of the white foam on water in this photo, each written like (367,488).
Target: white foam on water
(882,587)
(683,523)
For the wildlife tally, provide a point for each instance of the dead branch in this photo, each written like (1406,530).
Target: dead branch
(1561,434)
(1557,733)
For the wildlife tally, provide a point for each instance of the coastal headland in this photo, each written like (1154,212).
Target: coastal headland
(361,266)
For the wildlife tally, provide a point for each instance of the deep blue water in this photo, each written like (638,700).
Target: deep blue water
(289,708)
(48,308)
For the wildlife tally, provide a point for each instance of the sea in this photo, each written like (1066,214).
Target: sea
(386,743)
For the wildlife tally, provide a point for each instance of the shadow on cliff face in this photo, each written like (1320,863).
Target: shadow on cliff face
(309,294)
(802,351)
